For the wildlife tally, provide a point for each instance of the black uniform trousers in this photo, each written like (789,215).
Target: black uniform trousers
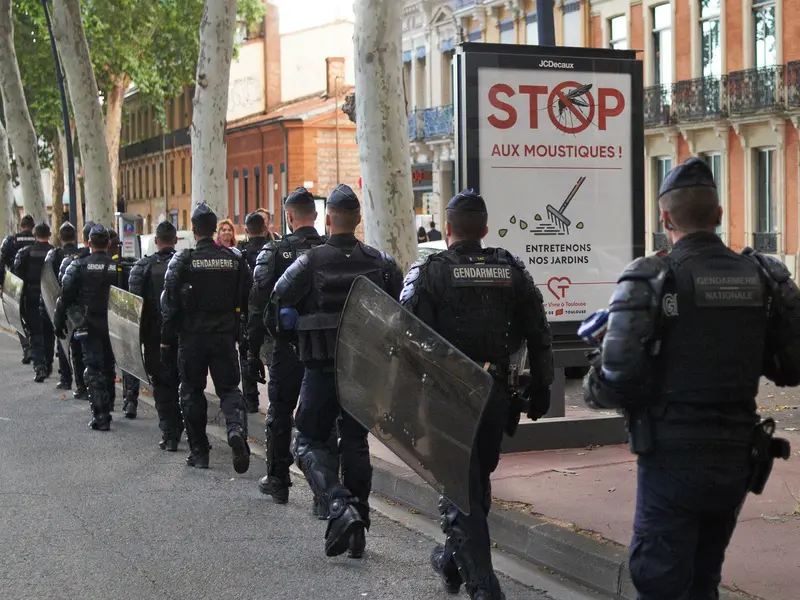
(687,504)
(285,379)
(198,355)
(64,368)
(41,337)
(100,372)
(165,389)
(316,417)
(249,384)
(468,543)
(130,386)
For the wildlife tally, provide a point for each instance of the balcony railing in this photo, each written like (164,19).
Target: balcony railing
(793,84)
(756,90)
(656,106)
(437,121)
(765,242)
(660,242)
(461,4)
(416,126)
(698,99)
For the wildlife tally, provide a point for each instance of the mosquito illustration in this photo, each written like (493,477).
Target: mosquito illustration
(575,100)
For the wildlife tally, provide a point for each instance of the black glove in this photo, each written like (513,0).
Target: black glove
(60,327)
(595,357)
(169,358)
(538,402)
(256,368)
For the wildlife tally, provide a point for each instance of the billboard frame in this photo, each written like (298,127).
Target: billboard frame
(470,58)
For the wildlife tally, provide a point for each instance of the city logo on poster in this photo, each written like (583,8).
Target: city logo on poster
(558,286)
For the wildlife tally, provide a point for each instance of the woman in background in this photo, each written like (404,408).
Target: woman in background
(226,234)
(422,236)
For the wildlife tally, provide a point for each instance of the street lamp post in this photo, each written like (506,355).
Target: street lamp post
(545,23)
(73,206)
(336,112)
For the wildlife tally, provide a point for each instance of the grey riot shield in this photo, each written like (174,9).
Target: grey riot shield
(124,329)
(12,301)
(50,293)
(411,388)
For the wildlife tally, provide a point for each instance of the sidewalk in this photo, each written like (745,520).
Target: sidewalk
(572,511)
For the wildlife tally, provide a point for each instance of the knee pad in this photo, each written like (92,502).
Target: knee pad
(94,379)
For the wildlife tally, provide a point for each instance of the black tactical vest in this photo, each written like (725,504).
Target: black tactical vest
(214,276)
(36,255)
(156,271)
(476,311)
(713,328)
(332,276)
(98,272)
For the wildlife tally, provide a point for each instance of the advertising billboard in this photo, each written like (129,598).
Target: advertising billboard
(552,138)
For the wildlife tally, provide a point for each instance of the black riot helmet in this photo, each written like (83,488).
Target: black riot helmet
(204,220)
(87,228)
(66,232)
(99,236)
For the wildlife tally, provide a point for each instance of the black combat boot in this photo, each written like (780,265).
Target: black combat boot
(358,543)
(241,451)
(344,523)
(276,487)
(129,407)
(169,443)
(81,393)
(64,385)
(446,569)
(319,508)
(26,357)
(198,458)
(40,373)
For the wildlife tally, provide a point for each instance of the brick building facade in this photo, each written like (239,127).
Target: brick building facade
(721,82)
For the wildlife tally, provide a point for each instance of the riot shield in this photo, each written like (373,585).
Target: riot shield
(12,301)
(412,389)
(124,330)
(50,293)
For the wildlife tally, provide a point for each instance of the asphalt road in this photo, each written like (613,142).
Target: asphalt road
(91,515)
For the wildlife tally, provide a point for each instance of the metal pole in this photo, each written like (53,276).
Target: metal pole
(73,196)
(336,111)
(545,22)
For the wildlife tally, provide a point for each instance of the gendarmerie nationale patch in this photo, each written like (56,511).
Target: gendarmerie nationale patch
(213,264)
(477,275)
(727,288)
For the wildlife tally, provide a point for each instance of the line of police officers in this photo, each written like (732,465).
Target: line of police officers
(688,336)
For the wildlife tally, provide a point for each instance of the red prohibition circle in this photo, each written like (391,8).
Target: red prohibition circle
(583,120)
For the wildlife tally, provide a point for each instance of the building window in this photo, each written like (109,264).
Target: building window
(710,52)
(764,21)
(618,32)
(172,177)
(185,219)
(237,207)
(662,44)
(257,172)
(767,207)
(572,24)
(183,175)
(270,188)
(663,166)
(531,29)
(507,35)
(141,187)
(147,181)
(163,173)
(155,182)
(246,192)
(475,35)
(714,162)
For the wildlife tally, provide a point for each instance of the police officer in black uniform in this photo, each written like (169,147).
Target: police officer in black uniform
(53,260)
(147,280)
(488,317)
(205,292)
(28,266)
(256,240)
(84,299)
(286,369)
(75,346)
(8,251)
(315,287)
(130,383)
(689,335)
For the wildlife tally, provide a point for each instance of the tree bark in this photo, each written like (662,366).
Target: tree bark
(6,187)
(58,185)
(74,50)
(114,101)
(382,130)
(18,120)
(209,161)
